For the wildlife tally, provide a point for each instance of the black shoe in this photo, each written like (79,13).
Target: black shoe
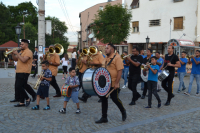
(158,90)
(167,103)
(159,105)
(143,97)
(102,120)
(28,102)
(34,98)
(82,99)
(99,101)
(19,105)
(138,97)
(173,95)
(124,116)
(14,101)
(132,103)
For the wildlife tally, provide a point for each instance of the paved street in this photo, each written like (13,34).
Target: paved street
(183,115)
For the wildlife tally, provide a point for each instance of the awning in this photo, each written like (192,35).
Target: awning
(181,42)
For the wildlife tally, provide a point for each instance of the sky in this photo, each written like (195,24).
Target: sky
(55,8)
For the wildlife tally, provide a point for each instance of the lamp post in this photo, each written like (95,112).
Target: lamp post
(147,42)
(18,31)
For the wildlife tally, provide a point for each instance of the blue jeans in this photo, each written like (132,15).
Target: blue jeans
(181,75)
(125,74)
(192,76)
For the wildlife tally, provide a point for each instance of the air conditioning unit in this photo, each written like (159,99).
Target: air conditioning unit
(178,0)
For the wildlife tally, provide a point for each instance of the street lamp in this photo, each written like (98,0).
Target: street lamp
(147,42)
(18,31)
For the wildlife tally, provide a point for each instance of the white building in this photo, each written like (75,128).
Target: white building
(152,18)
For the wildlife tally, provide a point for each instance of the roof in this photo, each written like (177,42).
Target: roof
(9,44)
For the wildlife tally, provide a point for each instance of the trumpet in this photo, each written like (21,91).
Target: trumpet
(144,66)
(38,81)
(189,56)
(126,56)
(9,52)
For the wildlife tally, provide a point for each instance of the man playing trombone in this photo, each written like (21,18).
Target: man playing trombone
(24,64)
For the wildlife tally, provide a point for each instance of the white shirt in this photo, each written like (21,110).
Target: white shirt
(65,62)
(15,63)
(74,55)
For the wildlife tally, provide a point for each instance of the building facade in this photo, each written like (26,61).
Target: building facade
(161,21)
(86,19)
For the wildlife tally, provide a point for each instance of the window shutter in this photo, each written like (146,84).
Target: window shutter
(178,23)
(135,24)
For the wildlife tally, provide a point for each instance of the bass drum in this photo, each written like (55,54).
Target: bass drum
(96,82)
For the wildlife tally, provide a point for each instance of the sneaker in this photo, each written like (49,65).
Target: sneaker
(124,87)
(46,108)
(178,91)
(159,105)
(183,89)
(148,107)
(186,93)
(126,84)
(78,111)
(197,94)
(63,111)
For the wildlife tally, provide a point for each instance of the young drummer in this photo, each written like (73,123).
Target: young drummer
(152,82)
(73,82)
(44,86)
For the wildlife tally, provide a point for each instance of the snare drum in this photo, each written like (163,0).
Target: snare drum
(163,75)
(96,81)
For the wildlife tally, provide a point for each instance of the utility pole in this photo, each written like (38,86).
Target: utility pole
(170,29)
(41,30)
(24,27)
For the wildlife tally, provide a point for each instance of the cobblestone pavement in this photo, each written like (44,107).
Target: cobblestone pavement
(183,115)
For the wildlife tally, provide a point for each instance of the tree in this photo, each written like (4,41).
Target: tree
(112,25)
(31,34)
(59,29)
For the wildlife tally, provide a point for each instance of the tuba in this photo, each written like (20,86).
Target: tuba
(59,49)
(92,51)
(85,51)
(144,74)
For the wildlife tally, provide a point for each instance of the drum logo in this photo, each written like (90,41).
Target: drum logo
(102,81)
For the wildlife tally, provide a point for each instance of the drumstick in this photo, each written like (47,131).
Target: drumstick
(109,93)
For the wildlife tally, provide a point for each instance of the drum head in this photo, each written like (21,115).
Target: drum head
(101,81)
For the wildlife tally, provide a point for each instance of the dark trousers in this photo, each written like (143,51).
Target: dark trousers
(133,80)
(115,99)
(73,62)
(152,88)
(26,86)
(55,85)
(80,75)
(145,89)
(36,70)
(168,88)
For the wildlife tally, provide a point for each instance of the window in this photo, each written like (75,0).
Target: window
(101,8)
(125,49)
(154,22)
(178,23)
(135,26)
(135,4)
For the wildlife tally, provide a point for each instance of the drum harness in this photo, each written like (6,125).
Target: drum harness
(109,62)
(169,61)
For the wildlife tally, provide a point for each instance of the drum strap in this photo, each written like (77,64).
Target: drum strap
(110,61)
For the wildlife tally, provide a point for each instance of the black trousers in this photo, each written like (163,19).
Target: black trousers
(115,99)
(80,76)
(168,88)
(55,85)
(133,80)
(145,89)
(26,86)
(73,62)
(36,70)
(64,69)
(152,88)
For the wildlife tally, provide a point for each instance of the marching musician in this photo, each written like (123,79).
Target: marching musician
(24,65)
(160,63)
(195,73)
(54,62)
(96,61)
(171,61)
(114,65)
(134,73)
(146,60)
(182,71)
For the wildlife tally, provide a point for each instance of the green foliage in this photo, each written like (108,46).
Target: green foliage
(59,29)
(112,25)
(30,34)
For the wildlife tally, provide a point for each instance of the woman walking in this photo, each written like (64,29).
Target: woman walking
(65,63)
(74,58)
